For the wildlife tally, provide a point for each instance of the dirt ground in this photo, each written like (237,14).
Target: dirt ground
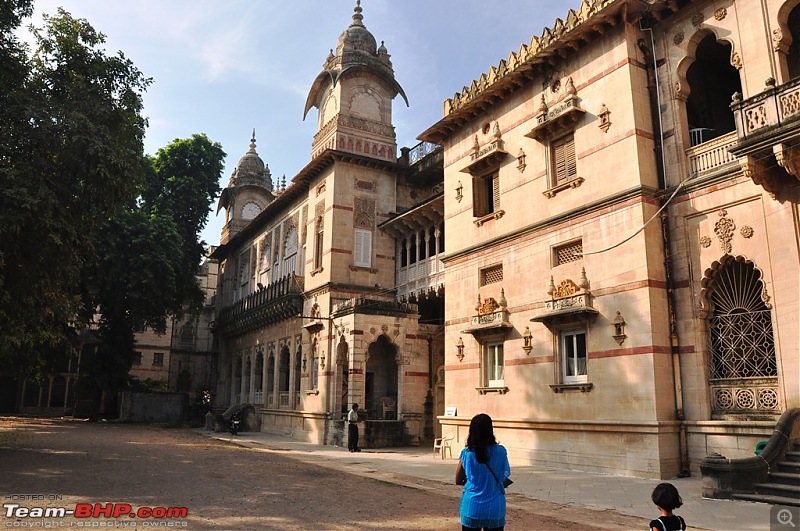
(51,463)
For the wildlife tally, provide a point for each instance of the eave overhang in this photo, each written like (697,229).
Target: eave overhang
(567,37)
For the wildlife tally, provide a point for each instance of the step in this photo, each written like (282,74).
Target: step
(772,500)
(789,466)
(793,456)
(778,489)
(786,478)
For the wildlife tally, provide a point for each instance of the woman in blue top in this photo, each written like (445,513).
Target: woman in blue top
(482,468)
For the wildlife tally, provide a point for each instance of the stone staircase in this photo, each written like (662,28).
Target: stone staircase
(783,487)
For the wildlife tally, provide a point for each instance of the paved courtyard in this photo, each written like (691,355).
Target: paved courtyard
(181,478)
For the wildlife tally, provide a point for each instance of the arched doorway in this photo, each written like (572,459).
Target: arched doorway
(438,401)
(341,360)
(381,379)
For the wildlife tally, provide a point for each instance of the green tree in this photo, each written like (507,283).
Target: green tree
(185,185)
(149,255)
(71,155)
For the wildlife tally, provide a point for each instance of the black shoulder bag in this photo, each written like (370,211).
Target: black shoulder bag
(506,482)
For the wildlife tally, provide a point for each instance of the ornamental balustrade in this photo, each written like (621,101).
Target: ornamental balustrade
(422,150)
(712,155)
(772,108)
(282,299)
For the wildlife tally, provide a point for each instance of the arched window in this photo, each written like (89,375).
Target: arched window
(743,369)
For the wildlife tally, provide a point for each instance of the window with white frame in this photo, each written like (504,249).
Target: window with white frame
(362,248)
(494,368)
(573,356)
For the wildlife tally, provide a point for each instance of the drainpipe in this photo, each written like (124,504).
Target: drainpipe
(655,108)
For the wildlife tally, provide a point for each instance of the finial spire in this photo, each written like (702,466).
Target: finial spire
(357,16)
(253,141)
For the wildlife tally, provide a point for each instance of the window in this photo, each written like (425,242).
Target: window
(573,356)
(318,239)
(362,251)
(570,252)
(494,365)
(740,325)
(485,195)
(137,358)
(290,252)
(314,366)
(491,275)
(158,359)
(564,167)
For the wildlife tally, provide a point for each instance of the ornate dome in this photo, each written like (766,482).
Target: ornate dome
(251,169)
(356,38)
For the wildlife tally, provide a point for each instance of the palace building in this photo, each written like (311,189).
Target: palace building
(597,245)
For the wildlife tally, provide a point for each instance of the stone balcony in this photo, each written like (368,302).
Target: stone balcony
(280,300)
(767,129)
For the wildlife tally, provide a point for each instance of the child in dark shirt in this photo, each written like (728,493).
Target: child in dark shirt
(667,499)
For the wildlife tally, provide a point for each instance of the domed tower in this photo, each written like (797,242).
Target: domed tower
(249,191)
(354,94)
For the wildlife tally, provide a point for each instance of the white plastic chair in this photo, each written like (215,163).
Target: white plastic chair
(388,406)
(442,445)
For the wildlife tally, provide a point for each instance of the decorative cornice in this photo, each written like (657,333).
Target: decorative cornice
(566,36)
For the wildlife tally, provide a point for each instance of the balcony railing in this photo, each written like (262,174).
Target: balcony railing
(420,151)
(770,109)
(421,276)
(280,300)
(712,154)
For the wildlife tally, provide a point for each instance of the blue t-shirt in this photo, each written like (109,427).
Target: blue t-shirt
(483,502)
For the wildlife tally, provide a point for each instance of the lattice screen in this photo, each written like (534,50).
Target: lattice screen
(493,274)
(571,252)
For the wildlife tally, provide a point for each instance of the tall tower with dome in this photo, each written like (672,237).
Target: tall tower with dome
(354,94)
(248,192)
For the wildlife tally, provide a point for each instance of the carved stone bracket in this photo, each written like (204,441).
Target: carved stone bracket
(762,173)
(788,158)
(574,183)
(494,215)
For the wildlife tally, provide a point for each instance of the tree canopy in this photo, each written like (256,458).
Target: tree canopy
(89,225)
(71,154)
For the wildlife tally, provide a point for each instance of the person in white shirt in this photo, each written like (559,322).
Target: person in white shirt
(352,429)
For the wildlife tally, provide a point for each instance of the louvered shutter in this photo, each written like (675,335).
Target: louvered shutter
(495,192)
(565,165)
(362,252)
(480,206)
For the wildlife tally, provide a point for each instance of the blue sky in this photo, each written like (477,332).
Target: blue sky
(225,67)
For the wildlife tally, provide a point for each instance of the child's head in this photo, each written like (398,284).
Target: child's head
(666,496)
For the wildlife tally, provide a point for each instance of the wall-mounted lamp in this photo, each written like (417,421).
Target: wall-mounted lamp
(619,329)
(260,286)
(521,160)
(526,341)
(460,347)
(459,192)
(304,363)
